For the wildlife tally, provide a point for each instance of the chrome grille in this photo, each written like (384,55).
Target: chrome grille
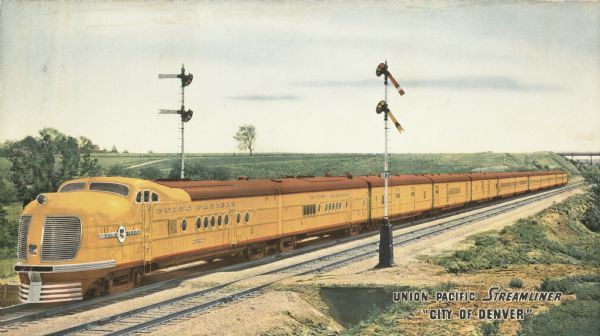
(23,231)
(61,238)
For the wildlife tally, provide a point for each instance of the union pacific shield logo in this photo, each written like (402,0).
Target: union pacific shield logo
(121,234)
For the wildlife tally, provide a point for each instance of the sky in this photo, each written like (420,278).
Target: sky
(478,76)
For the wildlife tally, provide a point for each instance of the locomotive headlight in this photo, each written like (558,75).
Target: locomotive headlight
(42,199)
(33,249)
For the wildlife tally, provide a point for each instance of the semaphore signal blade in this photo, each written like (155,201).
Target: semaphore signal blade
(167,76)
(163,111)
(382,69)
(396,85)
(396,123)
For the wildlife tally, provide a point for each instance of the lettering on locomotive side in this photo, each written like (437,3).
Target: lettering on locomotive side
(199,207)
(333,196)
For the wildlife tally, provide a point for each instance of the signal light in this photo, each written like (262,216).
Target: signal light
(382,107)
(186,79)
(186,115)
(381,69)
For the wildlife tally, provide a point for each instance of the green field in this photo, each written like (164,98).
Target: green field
(277,165)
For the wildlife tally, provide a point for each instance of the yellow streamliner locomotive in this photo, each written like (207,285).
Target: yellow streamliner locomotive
(103,234)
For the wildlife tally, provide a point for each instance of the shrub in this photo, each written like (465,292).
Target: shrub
(490,329)
(151,173)
(516,283)
(577,317)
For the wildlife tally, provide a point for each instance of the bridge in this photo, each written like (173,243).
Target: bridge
(580,154)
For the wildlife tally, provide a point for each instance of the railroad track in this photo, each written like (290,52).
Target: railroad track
(148,318)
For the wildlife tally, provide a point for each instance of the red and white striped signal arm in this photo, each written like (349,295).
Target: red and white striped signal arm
(382,69)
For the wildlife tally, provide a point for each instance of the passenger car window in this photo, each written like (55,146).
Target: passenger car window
(154,197)
(206,222)
(120,189)
(183,225)
(72,187)
(247,217)
(198,223)
(146,196)
(226,220)
(138,197)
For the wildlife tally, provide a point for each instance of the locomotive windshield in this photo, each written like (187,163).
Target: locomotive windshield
(72,187)
(110,187)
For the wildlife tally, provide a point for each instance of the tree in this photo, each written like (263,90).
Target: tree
(40,164)
(9,229)
(114,149)
(246,138)
(89,165)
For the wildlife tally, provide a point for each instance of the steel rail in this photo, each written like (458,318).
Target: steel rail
(371,246)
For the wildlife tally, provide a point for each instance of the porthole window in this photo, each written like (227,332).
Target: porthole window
(238,218)
(183,225)
(212,221)
(138,197)
(247,217)
(219,219)
(226,220)
(198,223)
(206,222)
(154,197)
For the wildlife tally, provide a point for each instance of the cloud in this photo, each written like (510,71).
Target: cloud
(500,83)
(330,83)
(264,97)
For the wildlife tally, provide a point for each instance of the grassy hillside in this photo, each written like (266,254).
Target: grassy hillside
(276,165)
(555,235)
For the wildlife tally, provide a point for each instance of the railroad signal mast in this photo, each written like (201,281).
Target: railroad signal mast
(185,115)
(386,244)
